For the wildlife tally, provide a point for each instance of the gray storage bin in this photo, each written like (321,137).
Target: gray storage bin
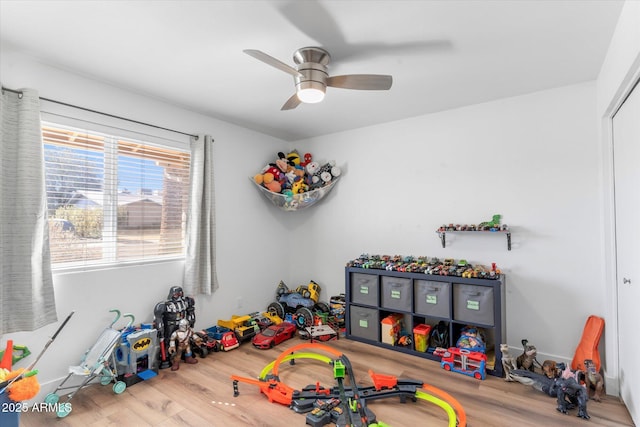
(364,288)
(396,293)
(432,298)
(473,304)
(364,322)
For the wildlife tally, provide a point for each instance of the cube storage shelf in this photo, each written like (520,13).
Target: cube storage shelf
(422,299)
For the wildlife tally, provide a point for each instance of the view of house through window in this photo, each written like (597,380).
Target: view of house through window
(113,199)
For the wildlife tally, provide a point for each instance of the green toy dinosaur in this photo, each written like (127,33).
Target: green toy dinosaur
(495,222)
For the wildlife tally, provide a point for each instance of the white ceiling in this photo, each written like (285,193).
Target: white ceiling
(441,54)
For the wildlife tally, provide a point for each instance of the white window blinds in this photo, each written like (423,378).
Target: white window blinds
(113,199)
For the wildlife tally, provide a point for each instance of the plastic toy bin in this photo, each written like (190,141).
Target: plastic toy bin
(432,298)
(421,337)
(473,304)
(365,322)
(390,328)
(396,293)
(364,288)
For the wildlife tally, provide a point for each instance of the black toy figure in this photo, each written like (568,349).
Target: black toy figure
(568,391)
(167,317)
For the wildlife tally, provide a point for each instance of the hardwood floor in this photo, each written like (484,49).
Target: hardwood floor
(202,395)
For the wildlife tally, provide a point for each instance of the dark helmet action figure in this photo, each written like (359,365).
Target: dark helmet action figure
(167,315)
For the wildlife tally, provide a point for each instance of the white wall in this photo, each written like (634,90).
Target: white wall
(531,158)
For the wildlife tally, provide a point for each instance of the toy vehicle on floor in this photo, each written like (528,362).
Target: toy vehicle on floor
(274,335)
(206,344)
(224,337)
(302,303)
(462,361)
(265,319)
(318,333)
(243,326)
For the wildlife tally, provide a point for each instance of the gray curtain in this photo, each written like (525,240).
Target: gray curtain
(26,287)
(200,266)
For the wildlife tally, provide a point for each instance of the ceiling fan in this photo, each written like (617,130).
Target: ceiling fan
(311,76)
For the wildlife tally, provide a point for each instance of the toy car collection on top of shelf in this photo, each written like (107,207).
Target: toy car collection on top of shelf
(426,265)
(492,226)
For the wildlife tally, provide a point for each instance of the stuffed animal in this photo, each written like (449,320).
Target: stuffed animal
(324,175)
(310,170)
(282,163)
(294,157)
(299,186)
(267,178)
(306,159)
(291,159)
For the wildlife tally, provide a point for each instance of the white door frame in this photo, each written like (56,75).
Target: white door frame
(609,278)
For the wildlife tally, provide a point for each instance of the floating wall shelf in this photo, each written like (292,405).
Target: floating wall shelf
(443,234)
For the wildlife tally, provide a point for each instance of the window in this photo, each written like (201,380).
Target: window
(113,199)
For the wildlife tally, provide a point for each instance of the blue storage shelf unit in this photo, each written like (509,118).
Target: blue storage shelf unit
(372,294)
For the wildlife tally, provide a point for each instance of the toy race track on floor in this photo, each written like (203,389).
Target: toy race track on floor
(344,406)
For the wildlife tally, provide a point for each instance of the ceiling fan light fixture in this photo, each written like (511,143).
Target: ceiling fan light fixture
(311,92)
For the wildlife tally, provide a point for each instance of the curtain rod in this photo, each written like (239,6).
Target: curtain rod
(101,113)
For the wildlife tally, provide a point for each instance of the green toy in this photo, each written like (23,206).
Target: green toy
(495,222)
(23,352)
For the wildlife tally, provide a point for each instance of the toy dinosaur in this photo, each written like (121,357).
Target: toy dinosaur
(508,362)
(539,382)
(528,357)
(569,388)
(549,369)
(593,380)
(566,389)
(495,222)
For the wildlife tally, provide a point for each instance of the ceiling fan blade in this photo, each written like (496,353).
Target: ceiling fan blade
(270,60)
(361,81)
(291,103)
(312,19)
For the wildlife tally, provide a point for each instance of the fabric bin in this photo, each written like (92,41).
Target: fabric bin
(473,304)
(364,288)
(396,293)
(432,298)
(364,322)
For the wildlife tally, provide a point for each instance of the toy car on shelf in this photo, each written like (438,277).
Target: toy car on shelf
(301,303)
(274,335)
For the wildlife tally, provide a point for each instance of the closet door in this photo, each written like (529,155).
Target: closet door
(626,154)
